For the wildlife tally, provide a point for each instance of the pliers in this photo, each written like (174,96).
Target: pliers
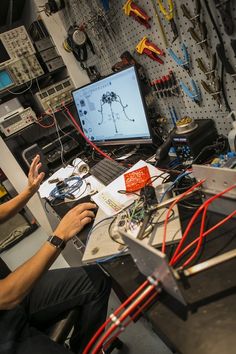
(185,62)
(150,49)
(169,16)
(195,94)
(195,19)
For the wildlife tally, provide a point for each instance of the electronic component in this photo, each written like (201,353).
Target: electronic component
(52,97)
(25,69)
(15,44)
(55,64)
(43,44)
(225,161)
(107,171)
(9,108)
(13,123)
(49,54)
(191,137)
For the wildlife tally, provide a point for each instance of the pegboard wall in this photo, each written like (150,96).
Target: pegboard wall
(117,33)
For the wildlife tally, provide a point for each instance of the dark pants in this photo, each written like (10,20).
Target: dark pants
(86,289)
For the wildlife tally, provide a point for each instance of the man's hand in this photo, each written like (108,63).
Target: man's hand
(75,220)
(34,177)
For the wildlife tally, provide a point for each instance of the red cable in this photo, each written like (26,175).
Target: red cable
(129,299)
(213,228)
(123,316)
(132,318)
(170,209)
(197,249)
(85,137)
(194,217)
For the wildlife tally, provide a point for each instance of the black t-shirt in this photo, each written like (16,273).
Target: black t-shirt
(4,270)
(13,323)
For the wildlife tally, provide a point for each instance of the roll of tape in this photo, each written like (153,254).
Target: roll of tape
(83,169)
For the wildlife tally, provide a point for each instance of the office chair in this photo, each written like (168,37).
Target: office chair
(60,331)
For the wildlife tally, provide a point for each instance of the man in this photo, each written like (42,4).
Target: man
(32,298)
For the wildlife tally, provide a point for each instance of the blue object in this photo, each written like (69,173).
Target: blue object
(105,4)
(173,184)
(195,94)
(66,190)
(185,62)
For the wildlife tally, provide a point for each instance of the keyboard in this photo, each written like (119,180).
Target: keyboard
(107,171)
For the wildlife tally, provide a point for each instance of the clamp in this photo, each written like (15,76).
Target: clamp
(185,62)
(150,49)
(131,9)
(169,16)
(195,94)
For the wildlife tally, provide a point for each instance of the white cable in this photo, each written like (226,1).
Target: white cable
(59,137)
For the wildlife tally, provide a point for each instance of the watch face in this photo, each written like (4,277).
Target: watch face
(57,242)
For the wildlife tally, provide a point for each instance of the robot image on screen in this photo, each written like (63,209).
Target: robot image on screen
(112,110)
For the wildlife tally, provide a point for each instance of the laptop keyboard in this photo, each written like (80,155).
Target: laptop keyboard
(107,171)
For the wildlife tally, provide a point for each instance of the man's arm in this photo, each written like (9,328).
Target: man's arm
(13,206)
(17,285)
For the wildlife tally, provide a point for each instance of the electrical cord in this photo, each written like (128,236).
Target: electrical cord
(72,118)
(181,196)
(193,219)
(64,189)
(206,233)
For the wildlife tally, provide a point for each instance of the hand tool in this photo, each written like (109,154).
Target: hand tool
(169,16)
(214,93)
(211,72)
(175,86)
(185,62)
(172,116)
(162,32)
(195,19)
(200,40)
(131,9)
(150,49)
(195,94)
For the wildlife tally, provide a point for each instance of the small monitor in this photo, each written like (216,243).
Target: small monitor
(112,110)
(5,79)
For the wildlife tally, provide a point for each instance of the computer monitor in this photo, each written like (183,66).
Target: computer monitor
(112,110)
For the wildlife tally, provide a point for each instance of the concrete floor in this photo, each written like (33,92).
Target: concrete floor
(138,337)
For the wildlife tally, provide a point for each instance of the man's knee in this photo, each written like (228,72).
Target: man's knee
(101,281)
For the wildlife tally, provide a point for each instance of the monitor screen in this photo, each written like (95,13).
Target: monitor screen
(5,79)
(111,111)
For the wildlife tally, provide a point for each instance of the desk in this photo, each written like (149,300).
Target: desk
(208,324)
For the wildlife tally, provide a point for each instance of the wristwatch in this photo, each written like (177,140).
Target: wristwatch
(57,242)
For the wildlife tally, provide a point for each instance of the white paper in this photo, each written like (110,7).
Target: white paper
(112,202)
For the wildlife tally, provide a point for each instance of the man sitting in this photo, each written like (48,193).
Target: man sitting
(33,297)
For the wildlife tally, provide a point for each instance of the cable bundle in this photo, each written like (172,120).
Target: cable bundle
(146,293)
